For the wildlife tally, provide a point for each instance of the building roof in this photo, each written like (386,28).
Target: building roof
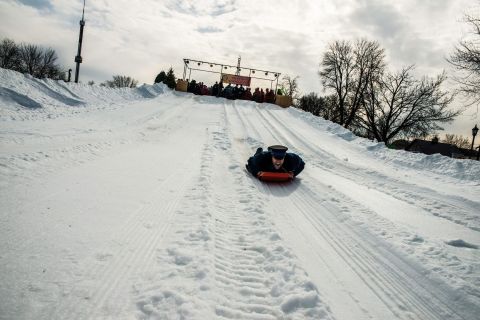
(432,147)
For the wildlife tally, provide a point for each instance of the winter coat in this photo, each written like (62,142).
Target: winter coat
(228,92)
(247,95)
(261,99)
(263,162)
(269,96)
(256,95)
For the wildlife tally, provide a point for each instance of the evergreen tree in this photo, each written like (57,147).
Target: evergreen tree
(161,77)
(170,81)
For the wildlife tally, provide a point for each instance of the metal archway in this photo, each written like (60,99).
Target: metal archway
(252,72)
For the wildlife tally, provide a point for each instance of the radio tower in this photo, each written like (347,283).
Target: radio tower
(78,58)
(238,66)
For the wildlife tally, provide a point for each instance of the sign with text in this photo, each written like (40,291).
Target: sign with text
(234,79)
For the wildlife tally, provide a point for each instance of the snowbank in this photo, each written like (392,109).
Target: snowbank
(463,169)
(20,94)
(135,203)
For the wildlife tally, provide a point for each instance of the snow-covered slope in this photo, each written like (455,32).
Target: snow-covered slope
(134,203)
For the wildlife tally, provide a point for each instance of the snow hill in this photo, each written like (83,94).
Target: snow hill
(135,204)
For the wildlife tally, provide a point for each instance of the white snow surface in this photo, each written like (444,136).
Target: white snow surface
(135,204)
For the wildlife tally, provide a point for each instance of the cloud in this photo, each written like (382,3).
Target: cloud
(202,8)
(39,4)
(412,32)
(380,19)
(209,29)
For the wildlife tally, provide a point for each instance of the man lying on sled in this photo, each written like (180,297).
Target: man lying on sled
(275,164)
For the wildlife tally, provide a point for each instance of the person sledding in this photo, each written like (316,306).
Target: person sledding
(276,164)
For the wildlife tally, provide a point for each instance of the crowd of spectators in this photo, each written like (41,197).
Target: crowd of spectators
(232,92)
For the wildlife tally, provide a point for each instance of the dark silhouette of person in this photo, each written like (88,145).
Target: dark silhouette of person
(269,96)
(247,95)
(256,95)
(262,96)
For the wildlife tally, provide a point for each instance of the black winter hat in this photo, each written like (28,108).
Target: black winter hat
(278,151)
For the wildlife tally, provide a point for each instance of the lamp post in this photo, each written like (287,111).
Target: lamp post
(78,57)
(474,133)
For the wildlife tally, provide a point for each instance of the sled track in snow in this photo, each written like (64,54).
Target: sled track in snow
(442,299)
(434,203)
(405,291)
(428,199)
(400,285)
(135,245)
(241,270)
(206,240)
(245,268)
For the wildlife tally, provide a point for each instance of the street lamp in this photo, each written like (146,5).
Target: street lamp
(474,133)
(78,57)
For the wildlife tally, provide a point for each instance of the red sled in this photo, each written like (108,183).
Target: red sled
(275,176)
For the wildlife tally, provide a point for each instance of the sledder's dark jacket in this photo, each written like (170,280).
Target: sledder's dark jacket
(263,162)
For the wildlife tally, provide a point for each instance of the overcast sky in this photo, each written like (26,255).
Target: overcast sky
(140,38)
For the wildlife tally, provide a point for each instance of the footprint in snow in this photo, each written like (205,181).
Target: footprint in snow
(459,243)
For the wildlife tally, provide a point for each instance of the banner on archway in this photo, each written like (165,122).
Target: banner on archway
(234,79)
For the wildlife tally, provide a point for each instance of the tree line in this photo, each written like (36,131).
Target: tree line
(120,81)
(375,102)
(42,63)
(30,58)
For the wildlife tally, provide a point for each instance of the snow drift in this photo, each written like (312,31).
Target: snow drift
(134,203)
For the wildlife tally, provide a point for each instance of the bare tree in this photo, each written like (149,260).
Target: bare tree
(47,67)
(30,58)
(289,86)
(466,59)
(459,141)
(402,105)
(9,55)
(121,82)
(347,69)
(39,62)
(325,107)
(336,73)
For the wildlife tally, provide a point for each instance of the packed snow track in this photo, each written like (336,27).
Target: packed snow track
(137,205)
